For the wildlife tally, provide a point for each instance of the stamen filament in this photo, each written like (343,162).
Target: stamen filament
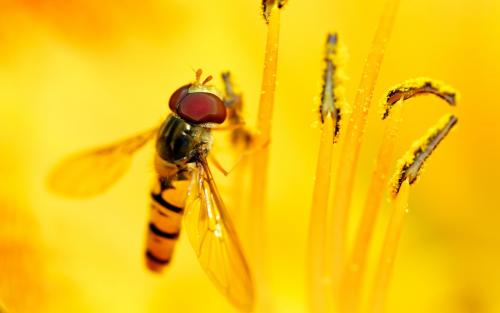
(317,279)
(399,208)
(351,149)
(330,115)
(257,245)
(356,266)
(406,174)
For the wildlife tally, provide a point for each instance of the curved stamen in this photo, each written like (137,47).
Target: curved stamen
(415,87)
(411,164)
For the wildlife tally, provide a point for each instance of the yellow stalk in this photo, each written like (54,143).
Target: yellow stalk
(399,206)
(260,165)
(317,227)
(408,171)
(350,152)
(331,113)
(410,165)
(352,278)
(351,286)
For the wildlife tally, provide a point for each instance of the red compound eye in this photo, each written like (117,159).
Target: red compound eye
(177,96)
(202,107)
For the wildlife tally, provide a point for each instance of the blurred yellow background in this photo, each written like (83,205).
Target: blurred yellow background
(75,74)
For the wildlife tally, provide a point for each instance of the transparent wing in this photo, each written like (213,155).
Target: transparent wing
(92,172)
(215,241)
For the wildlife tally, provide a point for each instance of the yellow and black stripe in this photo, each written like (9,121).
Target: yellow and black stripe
(167,205)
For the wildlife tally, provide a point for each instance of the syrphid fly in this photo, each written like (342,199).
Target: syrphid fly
(184,188)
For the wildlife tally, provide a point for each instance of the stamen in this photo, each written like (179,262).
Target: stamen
(355,269)
(419,86)
(319,288)
(257,241)
(267,6)
(411,164)
(350,151)
(409,169)
(353,279)
(330,104)
(388,254)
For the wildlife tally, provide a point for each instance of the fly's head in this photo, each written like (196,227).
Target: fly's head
(198,103)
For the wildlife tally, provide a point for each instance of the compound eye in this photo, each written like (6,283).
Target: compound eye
(177,96)
(202,107)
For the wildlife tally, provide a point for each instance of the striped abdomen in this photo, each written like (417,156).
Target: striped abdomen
(168,198)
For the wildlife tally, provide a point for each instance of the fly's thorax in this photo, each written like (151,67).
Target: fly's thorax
(179,142)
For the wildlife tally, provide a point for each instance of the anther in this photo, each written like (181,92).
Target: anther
(411,164)
(329,94)
(268,5)
(415,87)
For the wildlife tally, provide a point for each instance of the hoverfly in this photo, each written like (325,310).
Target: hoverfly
(184,188)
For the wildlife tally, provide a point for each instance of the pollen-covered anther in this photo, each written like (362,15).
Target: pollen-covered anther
(410,166)
(415,87)
(331,103)
(268,5)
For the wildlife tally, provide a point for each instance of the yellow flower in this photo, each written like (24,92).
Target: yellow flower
(82,73)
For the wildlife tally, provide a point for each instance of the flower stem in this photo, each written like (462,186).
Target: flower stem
(317,224)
